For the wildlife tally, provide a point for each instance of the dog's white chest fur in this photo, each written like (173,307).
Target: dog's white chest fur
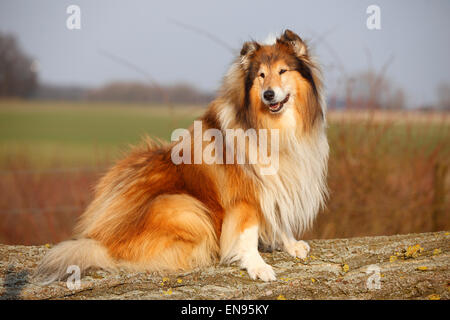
(291,199)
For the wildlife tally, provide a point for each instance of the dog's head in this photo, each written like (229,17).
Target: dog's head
(280,83)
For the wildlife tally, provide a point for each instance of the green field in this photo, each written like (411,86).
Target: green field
(49,133)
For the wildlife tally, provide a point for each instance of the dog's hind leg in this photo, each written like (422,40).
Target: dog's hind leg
(177,235)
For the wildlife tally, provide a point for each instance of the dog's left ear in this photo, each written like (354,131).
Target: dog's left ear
(291,38)
(249,47)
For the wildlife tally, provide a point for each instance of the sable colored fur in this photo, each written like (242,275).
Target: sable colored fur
(150,214)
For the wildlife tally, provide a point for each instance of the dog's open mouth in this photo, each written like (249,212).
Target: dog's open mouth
(276,107)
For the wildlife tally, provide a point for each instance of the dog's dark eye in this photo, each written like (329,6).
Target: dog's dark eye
(282,71)
(262,75)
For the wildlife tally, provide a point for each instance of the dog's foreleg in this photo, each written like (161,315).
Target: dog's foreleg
(239,242)
(250,258)
(296,248)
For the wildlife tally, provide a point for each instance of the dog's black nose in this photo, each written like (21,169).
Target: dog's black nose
(269,95)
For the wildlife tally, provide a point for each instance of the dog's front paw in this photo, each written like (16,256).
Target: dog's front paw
(298,249)
(262,271)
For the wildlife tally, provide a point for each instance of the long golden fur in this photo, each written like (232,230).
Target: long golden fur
(151,214)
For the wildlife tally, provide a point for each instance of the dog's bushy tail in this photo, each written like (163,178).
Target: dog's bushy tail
(84,253)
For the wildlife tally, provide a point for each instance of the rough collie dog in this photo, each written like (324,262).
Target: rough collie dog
(150,214)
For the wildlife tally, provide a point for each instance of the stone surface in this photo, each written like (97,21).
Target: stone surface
(413,266)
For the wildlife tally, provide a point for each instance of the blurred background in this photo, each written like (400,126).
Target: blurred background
(72,101)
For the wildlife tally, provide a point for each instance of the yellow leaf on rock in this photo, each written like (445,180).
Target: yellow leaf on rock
(422,268)
(414,251)
(168,292)
(392,258)
(345,267)
(434,297)
(281,297)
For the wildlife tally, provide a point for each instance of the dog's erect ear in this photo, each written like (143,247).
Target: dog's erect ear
(249,47)
(292,39)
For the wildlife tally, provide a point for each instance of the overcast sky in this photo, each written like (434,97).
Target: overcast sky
(415,33)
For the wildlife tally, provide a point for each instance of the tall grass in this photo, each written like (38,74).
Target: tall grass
(385,177)
(42,206)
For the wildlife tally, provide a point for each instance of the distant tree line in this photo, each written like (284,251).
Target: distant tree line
(141,92)
(126,92)
(18,73)
(443,93)
(60,92)
(368,90)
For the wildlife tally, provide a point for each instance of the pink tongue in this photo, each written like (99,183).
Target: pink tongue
(274,106)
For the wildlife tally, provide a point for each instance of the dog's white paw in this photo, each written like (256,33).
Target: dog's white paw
(299,249)
(262,271)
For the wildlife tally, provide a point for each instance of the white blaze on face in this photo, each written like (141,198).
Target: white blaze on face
(280,95)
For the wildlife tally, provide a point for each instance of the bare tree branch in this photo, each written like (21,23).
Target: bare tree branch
(204,33)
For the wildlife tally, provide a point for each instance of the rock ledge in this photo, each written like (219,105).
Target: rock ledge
(412,266)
